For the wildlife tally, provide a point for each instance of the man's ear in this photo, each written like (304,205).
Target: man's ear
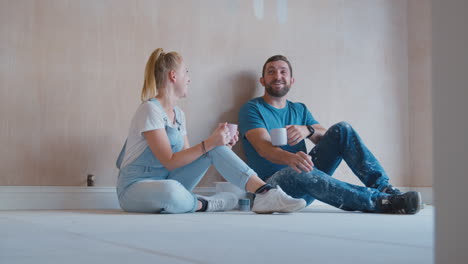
(262,81)
(292,80)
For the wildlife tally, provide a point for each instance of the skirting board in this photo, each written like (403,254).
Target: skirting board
(72,198)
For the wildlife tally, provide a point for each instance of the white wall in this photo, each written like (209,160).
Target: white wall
(71,73)
(420,94)
(450,93)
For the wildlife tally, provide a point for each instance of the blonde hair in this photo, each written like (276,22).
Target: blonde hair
(157,67)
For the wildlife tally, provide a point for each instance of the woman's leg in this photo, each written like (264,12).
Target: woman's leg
(154,196)
(233,169)
(228,164)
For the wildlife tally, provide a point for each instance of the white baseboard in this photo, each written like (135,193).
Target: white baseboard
(57,198)
(63,198)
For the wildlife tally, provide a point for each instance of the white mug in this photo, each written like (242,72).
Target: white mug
(232,128)
(279,136)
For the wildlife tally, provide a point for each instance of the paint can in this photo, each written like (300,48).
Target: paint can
(244,205)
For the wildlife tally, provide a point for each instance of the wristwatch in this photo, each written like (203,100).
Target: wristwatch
(311,130)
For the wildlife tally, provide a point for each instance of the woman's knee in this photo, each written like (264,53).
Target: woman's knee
(220,149)
(156,196)
(171,190)
(176,198)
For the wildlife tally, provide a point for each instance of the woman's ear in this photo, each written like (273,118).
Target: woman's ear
(172,75)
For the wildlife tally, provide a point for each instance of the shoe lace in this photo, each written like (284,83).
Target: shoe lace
(216,204)
(390,189)
(283,196)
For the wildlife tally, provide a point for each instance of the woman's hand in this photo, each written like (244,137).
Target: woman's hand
(234,140)
(219,137)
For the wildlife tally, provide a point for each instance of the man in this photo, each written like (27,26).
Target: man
(308,176)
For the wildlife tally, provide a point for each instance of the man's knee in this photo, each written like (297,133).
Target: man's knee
(340,128)
(342,125)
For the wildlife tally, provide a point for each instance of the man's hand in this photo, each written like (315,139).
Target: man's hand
(300,162)
(261,141)
(296,134)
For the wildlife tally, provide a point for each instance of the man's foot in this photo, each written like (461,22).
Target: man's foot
(275,200)
(223,201)
(407,203)
(391,190)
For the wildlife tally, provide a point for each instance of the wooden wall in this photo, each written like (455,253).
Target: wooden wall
(71,74)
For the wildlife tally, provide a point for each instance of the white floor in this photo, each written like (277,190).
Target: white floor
(318,234)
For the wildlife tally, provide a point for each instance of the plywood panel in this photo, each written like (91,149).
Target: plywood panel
(71,73)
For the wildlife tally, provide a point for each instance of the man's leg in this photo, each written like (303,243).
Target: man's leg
(341,141)
(318,185)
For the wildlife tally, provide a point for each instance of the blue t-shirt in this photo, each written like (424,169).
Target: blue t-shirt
(257,113)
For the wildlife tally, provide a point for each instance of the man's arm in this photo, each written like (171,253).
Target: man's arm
(297,133)
(318,134)
(261,141)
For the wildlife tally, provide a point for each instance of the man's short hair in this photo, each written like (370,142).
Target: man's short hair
(277,58)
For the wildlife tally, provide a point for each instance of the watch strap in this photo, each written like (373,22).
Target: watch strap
(311,130)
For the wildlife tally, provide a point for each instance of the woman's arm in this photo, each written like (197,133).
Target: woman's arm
(161,147)
(186,143)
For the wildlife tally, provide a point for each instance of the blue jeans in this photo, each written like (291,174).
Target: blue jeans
(340,142)
(145,189)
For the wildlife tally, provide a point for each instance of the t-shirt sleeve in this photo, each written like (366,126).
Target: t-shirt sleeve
(150,118)
(250,118)
(310,120)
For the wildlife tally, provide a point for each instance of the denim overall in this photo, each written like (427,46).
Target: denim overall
(146,186)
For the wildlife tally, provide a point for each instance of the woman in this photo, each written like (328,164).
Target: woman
(158,168)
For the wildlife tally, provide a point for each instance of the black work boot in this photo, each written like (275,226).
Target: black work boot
(407,203)
(391,190)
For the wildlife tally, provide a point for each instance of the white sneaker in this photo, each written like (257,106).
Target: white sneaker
(275,200)
(223,201)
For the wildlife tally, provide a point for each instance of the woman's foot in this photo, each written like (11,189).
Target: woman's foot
(223,201)
(276,201)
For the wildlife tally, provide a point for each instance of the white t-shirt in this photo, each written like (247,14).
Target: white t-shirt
(149,116)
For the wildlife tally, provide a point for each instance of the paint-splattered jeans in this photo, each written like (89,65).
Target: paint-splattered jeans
(340,142)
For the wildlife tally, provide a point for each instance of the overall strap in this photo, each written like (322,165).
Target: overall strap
(121,155)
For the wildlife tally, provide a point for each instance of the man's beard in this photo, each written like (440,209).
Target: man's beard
(277,93)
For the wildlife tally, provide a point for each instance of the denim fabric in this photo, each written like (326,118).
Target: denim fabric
(147,189)
(340,142)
